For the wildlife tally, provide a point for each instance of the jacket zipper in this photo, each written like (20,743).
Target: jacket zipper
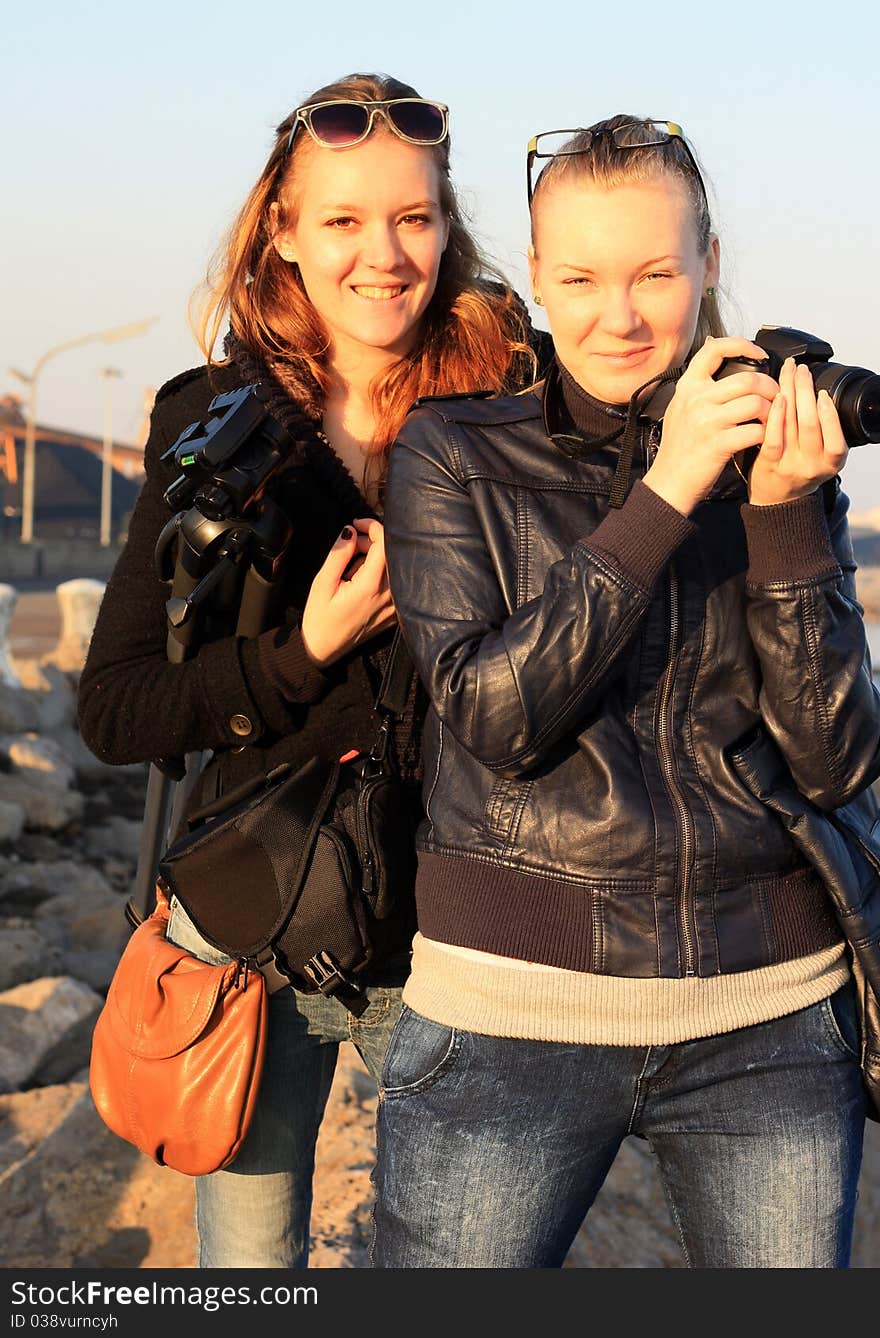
(362,824)
(667,756)
(669,770)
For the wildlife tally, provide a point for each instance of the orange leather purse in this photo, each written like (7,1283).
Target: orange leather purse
(177,1051)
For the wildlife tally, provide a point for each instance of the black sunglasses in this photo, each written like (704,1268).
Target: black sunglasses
(554,144)
(342,124)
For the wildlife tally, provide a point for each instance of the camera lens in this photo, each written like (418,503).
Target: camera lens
(856,395)
(867,408)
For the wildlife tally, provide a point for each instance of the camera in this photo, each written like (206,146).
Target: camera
(855,391)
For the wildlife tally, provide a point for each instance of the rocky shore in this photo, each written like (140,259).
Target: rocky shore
(74,1195)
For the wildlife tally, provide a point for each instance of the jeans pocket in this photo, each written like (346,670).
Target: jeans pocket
(842,1016)
(183,932)
(418,1053)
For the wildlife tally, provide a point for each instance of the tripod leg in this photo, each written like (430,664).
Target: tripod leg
(157,809)
(163,812)
(195,764)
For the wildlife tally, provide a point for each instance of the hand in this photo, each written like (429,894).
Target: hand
(803,441)
(349,599)
(709,421)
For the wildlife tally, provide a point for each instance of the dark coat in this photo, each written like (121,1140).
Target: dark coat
(134,705)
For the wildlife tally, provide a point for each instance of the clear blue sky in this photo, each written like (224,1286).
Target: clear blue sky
(133,132)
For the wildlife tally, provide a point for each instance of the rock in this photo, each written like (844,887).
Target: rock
(45,1031)
(90,768)
(90,930)
(82,1197)
(55,699)
(8,601)
(78,603)
(38,760)
(12,820)
(26,1118)
(18,710)
(52,695)
(118,838)
(24,953)
(28,884)
(46,808)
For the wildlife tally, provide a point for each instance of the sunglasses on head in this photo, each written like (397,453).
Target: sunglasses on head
(554,144)
(341,124)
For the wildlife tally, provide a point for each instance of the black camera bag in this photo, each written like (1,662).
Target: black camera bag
(308,875)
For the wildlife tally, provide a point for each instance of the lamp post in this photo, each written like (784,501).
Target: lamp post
(30,380)
(108,373)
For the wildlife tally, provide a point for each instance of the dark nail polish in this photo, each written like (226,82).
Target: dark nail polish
(347,532)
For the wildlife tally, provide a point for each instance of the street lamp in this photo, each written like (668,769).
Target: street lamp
(107,455)
(30,380)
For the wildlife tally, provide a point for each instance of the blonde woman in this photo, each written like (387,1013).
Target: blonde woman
(615,937)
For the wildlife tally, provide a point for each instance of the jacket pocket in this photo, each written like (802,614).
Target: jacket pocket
(504,809)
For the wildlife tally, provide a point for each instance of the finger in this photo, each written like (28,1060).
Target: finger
(747,383)
(809,433)
(362,523)
(773,445)
(834,442)
(371,574)
(330,572)
(744,435)
(747,407)
(354,566)
(787,386)
(714,351)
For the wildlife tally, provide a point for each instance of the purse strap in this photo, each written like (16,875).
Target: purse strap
(392,696)
(394,689)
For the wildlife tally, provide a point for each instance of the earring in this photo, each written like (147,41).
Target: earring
(710,292)
(538,300)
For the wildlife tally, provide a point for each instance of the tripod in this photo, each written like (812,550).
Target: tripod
(222,554)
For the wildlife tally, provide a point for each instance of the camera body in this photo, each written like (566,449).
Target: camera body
(855,391)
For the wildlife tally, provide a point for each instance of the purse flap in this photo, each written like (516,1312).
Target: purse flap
(161,998)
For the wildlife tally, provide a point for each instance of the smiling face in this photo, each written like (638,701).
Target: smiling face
(367,231)
(621,275)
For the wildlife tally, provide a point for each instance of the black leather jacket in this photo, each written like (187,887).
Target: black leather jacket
(590,671)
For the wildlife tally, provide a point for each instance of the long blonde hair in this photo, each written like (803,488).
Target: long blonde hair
(473,335)
(596,157)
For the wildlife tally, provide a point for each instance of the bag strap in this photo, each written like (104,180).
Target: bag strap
(234,796)
(394,688)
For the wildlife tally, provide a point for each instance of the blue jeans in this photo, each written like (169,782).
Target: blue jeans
(491,1150)
(255,1212)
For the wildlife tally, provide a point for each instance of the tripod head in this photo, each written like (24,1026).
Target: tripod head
(226,459)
